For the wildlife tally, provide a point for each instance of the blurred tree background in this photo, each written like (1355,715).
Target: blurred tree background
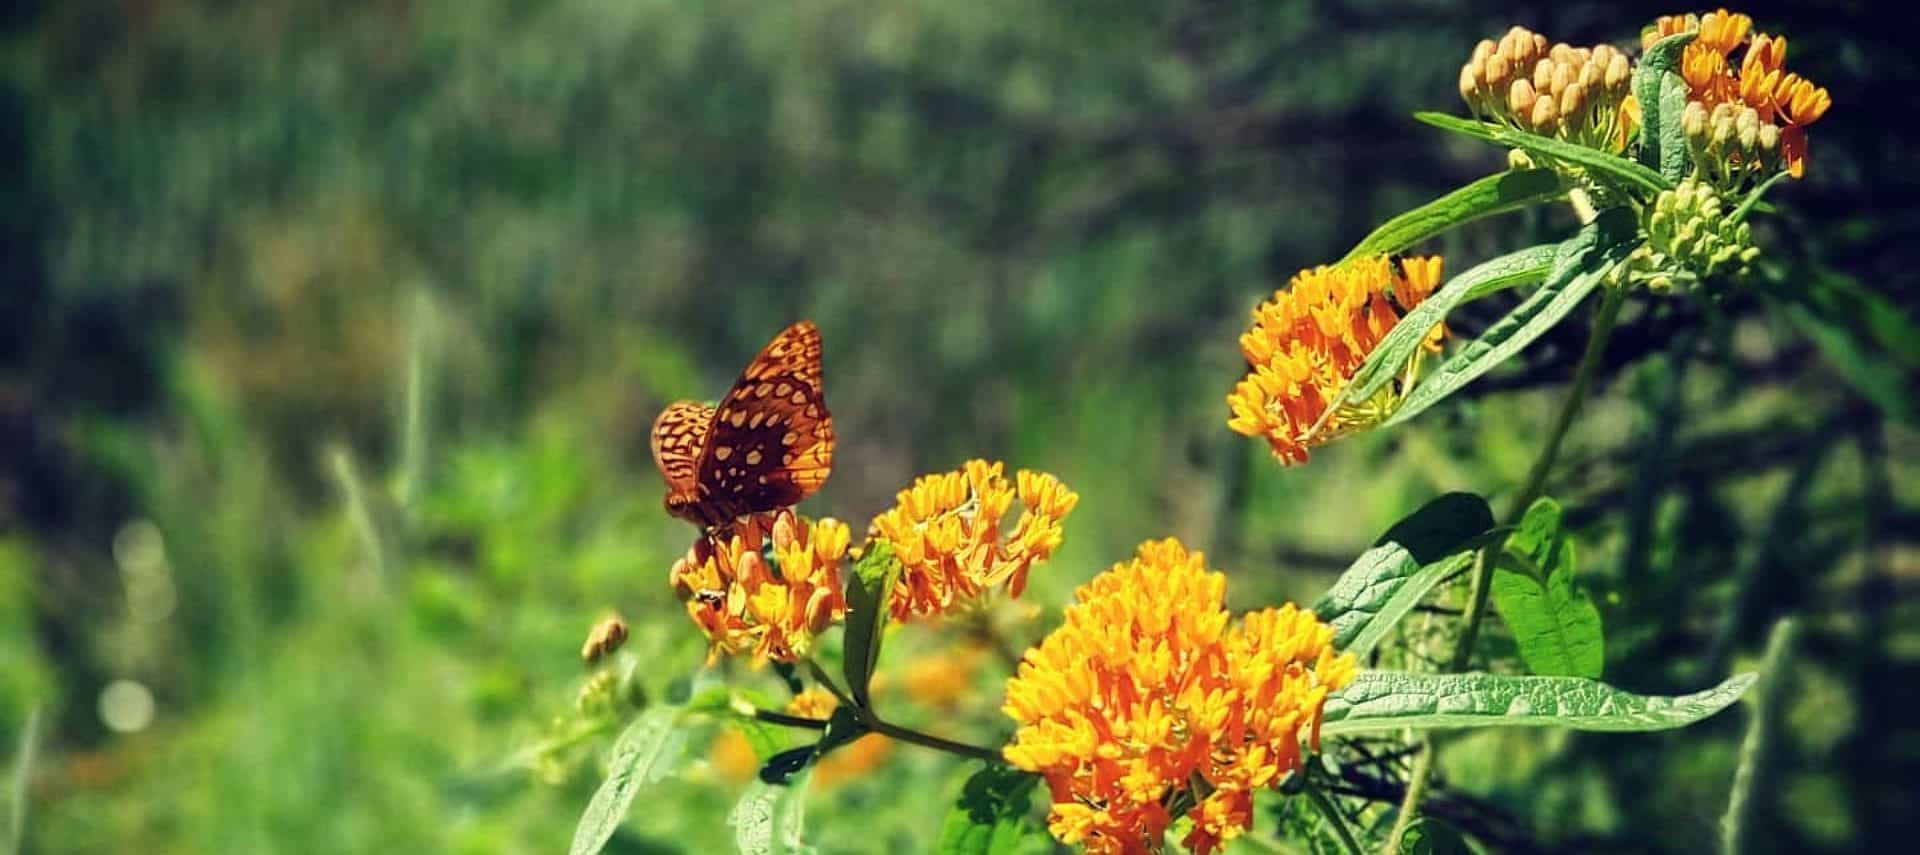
(331,332)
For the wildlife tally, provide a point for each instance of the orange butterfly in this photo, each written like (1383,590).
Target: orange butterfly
(767,446)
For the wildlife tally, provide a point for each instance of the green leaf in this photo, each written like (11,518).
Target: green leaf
(868,590)
(1388,580)
(1428,836)
(1597,163)
(1581,265)
(647,751)
(1662,94)
(1494,194)
(1391,701)
(1872,343)
(1555,624)
(1398,346)
(770,819)
(843,727)
(993,817)
(1752,201)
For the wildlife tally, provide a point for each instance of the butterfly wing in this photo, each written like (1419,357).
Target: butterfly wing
(772,439)
(679,436)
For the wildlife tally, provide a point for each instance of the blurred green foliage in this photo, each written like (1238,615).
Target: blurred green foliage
(1028,231)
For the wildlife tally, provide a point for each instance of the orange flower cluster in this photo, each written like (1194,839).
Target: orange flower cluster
(1762,85)
(1148,701)
(945,531)
(744,603)
(1306,343)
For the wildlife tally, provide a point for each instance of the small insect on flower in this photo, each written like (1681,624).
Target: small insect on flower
(768,445)
(606,637)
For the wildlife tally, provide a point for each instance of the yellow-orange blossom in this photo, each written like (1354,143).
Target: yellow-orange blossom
(945,531)
(1148,695)
(1308,340)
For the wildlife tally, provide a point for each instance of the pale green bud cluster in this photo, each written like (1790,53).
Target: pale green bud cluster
(1731,141)
(1691,238)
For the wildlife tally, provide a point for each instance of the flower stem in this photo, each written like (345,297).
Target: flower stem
(1332,812)
(872,721)
(783,719)
(928,740)
(1611,299)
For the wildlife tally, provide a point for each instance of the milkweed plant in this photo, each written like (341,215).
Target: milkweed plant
(1153,714)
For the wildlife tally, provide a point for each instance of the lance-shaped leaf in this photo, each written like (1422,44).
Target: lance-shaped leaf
(993,817)
(769,819)
(1390,701)
(1599,164)
(1398,346)
(647,751)
(1555,624)
(1662,94)
(1581,265)
(1388,580)
(1494,194)
(868,591)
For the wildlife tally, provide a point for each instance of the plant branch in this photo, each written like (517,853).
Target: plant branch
(1612,297)
(785,720)
(928,740)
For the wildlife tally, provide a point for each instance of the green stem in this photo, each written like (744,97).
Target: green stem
(873,722)
(928,740)
(1332,813)
(1612,297)
(785,720)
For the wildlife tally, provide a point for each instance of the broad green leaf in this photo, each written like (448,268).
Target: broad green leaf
(1391,701)
(1662,94)
(993,817)
(1555,624)
(770,819)
(1388,580)
(1428,836)
(1580,266)
(1494,194)
(1444,525)
(868,589)
(647,751)
(1596,162)
(1398,346)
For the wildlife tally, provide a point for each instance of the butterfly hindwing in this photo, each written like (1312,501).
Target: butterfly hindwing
(679,437)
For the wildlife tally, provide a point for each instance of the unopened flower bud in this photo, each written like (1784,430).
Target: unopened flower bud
(1499,70)
(1562,78)
(1543,75)
(1769,139)
(1544,114)
(1572,100)
(1520,98)
(1619,71)
(1747,127)
(1469,81)
(1484,49)
(1694,120)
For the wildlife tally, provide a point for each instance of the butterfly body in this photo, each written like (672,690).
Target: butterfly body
(767,445)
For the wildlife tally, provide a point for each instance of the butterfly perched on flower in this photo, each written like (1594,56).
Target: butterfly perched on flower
(768,444)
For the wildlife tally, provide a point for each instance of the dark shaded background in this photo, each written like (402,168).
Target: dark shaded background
(231,233)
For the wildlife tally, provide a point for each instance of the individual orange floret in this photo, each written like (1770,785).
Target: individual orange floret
(1147,703)
(1308,340)
(742,603)
(945,530)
